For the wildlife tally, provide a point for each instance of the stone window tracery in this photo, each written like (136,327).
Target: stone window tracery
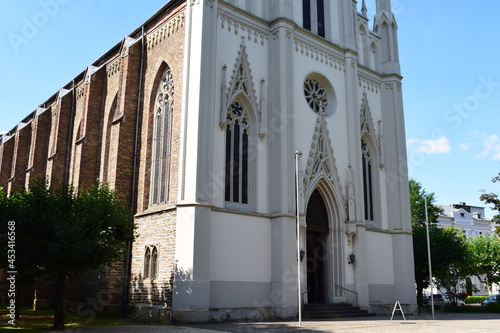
(315,94)
(150,262)
(162,134)
(237,140)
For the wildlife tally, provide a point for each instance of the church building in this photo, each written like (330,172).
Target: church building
(201,119)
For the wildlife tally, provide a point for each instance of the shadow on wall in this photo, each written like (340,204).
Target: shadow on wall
(151,299)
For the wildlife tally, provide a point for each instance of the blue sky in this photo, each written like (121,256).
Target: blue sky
(449,53)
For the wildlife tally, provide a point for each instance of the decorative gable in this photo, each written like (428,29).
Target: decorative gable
(241,83)
(366,117)
(368,129)
(321,161)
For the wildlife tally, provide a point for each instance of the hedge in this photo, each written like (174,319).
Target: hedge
(475,299)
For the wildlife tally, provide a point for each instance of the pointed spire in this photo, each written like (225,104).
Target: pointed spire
(364,11)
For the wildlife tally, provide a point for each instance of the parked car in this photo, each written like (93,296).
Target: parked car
(493,299)
(453,298)
(440,299)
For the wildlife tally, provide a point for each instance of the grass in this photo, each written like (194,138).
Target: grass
(41,321)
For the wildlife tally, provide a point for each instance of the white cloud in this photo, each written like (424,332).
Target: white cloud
(491,146)
(431,146)
(464,146)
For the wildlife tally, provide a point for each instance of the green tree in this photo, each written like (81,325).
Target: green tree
(485,259)
(22,224)
(449,256)
(62,231)
(420,262)
(417,204)
(447,245)
(492,198)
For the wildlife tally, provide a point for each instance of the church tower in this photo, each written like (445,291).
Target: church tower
(385,25)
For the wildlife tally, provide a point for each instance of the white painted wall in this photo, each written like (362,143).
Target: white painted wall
(240,248)
(379,258)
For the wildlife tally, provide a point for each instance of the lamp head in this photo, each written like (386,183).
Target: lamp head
(352,256)
(302,253)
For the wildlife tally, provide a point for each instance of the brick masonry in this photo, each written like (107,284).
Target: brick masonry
(156,229)
(86,133)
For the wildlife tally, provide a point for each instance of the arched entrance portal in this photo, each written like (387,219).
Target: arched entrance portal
(316,240)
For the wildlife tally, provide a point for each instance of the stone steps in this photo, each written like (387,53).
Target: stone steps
(330,311)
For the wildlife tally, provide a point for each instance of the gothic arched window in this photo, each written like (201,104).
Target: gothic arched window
(366,160)
(162,133)
(237,134)
(316,95)
(151,262)
(147,262)
(154,262)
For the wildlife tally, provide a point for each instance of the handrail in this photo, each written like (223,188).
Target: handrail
(351,291)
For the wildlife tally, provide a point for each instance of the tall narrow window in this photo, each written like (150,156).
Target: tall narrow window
(306,14)
(237,131)
(321,17)
(366,160)
(313,16)
(162,133)
(147,262)
(154,262)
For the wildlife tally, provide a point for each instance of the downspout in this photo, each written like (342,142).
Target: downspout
(134,172)
(70,134)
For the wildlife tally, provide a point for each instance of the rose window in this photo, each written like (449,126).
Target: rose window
(316,96)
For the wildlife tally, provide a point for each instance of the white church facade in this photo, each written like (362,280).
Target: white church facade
(265,79)
(196,117)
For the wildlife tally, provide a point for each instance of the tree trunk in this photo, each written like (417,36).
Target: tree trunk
(420,303)
(19,293)
(59,308)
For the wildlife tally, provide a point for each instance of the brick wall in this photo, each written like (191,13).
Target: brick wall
(60,127)
(154,229)
(87,129)
(156,225)
(7,153)
(121,125)
(163,49)
(87,133)
(20,154)
(38,147)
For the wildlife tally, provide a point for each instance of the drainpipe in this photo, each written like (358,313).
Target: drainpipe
(134,172)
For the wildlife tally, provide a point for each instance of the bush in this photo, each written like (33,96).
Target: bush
(462,296)
(465,309)
(475,299)
(493,307)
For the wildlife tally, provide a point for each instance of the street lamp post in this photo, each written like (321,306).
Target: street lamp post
(429,255)
(297,156)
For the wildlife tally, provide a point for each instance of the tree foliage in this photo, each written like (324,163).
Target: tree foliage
(448,250)
(485,255)
(450,260)
(417,204)
(448,257)
(492,198)
(63,230)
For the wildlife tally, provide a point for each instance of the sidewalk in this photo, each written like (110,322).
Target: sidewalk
(442,323)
